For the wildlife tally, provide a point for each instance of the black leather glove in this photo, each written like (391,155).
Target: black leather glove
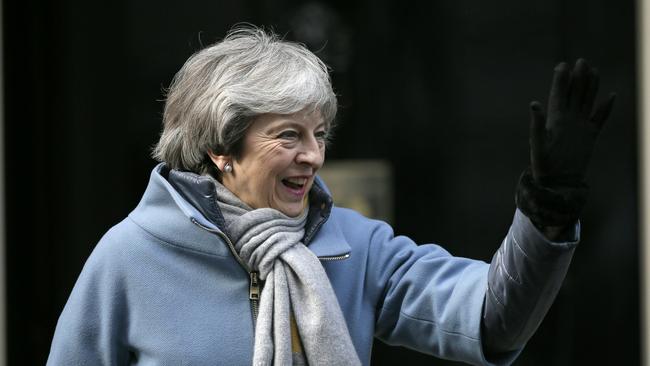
(552,191)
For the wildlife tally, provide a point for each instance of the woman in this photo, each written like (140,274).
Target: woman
(236,254)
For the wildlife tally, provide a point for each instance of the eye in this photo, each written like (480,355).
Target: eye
(321,135)
(288,135)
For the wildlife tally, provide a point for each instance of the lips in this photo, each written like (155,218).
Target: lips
(295,183)
(296,186)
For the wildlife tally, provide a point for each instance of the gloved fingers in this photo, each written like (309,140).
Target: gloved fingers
(557,100)
(602,111)
(592,91)
(537,137)
(578,84)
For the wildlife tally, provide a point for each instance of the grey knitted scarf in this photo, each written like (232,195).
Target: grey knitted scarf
(295,283)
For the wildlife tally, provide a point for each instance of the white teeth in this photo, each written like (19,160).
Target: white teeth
(298,181)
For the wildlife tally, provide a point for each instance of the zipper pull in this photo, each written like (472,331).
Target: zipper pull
(254,288)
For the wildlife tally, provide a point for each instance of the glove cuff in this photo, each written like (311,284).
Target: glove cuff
(546,205)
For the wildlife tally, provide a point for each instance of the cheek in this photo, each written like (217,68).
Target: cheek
(260,160)
(276,159)
(269,155)
(269,160)
(269,169)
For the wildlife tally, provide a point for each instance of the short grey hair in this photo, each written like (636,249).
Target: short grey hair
(220,90)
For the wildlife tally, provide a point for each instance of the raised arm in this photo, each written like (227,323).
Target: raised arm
(524,275)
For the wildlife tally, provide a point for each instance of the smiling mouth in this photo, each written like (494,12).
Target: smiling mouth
(295,183)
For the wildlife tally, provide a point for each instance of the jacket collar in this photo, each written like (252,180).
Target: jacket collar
(180,208)
(167,216)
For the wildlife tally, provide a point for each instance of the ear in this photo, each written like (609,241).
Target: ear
(219,160)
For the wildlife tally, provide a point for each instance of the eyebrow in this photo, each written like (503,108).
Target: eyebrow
(289,123)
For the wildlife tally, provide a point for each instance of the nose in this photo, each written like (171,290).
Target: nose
(311,154)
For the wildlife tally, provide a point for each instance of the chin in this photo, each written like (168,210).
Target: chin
(291,211)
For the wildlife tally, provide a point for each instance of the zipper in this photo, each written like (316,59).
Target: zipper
(254,287)
(254,284)
(334,257)
(254,293)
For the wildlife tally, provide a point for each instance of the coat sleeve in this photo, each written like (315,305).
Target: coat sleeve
(433,302)
(525,275)
(91,329)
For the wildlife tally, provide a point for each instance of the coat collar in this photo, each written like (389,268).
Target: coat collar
(167,216)
(178,207)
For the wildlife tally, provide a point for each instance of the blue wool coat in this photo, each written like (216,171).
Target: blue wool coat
(160,289)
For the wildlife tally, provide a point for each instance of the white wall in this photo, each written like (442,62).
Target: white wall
(643,44)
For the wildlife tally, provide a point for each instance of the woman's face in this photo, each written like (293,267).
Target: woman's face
(280,157)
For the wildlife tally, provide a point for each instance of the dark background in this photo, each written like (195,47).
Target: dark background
(439,89)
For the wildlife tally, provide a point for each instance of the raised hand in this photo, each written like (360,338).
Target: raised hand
(563,138)
(552,192)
